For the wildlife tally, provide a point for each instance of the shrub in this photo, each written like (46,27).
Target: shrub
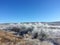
(42,35)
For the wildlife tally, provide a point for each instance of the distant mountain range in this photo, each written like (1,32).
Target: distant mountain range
(57,23)
(49,23)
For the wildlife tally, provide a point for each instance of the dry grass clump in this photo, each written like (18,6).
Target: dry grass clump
(7,38)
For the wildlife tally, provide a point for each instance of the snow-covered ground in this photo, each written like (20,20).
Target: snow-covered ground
(53,31)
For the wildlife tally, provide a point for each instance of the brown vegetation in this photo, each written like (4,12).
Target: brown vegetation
(6,37)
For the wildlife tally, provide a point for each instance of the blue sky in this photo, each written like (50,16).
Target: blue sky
(29,10)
